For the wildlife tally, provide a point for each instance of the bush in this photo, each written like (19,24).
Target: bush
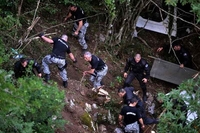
(29,105)
(178,104)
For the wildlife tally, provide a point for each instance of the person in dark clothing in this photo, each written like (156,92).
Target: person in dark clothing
(127,94)
(129,117)
(183,55)
(24,67)
(98,69)
(60,48)
(80,24)
(139,69)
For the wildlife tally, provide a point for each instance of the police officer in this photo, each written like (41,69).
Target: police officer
(127,94)
(183,55)
(98,70)
(139,69)
(129,117)
(23,67)
(80,24)
(60,48)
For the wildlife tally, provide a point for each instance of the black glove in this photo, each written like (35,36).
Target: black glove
(41,34)
(75,60)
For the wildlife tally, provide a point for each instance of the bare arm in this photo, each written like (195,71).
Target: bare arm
(125,74)
(159,49)
(91,71)
(128,65)
(68,16)
(46,39)
(72,57)
(142,123)
(120,119)
(80,24)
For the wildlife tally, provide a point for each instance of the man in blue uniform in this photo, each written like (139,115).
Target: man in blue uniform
(80,24)
(183,55)
(24,67)
(138,68)
(98,69)
(60,48)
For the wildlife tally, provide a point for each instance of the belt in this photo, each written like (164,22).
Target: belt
(85,22)
(101,68)
(57,56)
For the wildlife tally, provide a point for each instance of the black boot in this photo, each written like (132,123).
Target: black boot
(144,94)
(65,84)
(46,77)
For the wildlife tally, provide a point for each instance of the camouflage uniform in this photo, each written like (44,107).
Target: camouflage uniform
(60,48)
(79,15)
(81,35)
(49,59)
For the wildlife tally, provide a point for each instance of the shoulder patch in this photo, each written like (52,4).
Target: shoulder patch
(185,54)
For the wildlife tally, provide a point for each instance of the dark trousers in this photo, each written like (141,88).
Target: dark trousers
(139,77)
(141,107)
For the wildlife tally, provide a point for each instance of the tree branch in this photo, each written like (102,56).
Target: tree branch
(19,8)
(175,16)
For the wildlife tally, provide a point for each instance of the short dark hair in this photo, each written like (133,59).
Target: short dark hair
(176,43)
(173,45)
(22,60)
(121,90)
(133,100)
(72,5)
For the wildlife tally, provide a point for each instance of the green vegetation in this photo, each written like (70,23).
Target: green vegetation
(195,6)
(28,105)
(118,80)
(87,120)
(174,118)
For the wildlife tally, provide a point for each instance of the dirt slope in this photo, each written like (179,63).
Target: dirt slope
(75,86)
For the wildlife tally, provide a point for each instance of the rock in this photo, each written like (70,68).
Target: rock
(151,108)
(71,103)
(94,106)
(102,129)
(82,92)
(150,104)
(102,38)
(88,107)
(70,106)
